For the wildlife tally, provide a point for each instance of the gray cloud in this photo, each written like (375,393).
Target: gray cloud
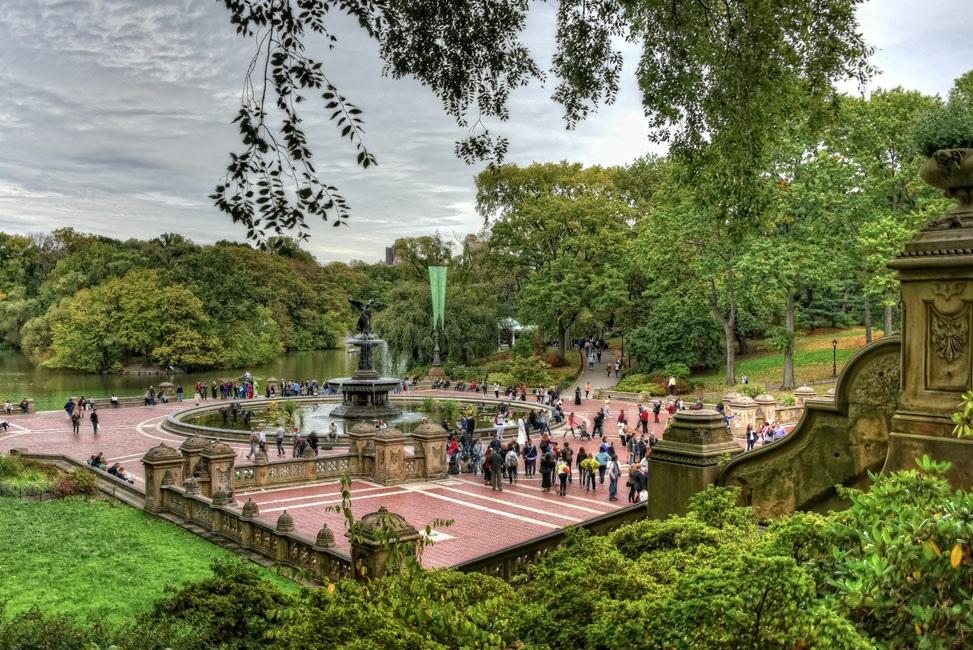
(115,118)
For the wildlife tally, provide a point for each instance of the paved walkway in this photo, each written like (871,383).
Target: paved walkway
(485,521)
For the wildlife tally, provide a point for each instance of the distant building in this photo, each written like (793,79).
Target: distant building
(390,259)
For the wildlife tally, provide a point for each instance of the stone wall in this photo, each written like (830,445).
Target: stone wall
(834,443)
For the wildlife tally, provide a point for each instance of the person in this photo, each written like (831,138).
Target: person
(656,409)
(254,440)
(618,368)
(97,460)
(24,406)
(563,472)
(599,424)
(114,400)
(644,420)
(262,441)
(94,421)
(587,389)
(521,432)
(312,439)
(589,466)
(476,457)
(530,459)
(76,422)
(496,390)
(622,422)
(672,385)
(122,474)
(547,469)
(279,437)
(513,461)
(568,455)
(196,395)
(779,431)
(572,422)
(4,425)
(582,455)
(751,437)
(602,458)
(8,408)
(633,483)
(577,395)
(614,471)
(498,425)
(179,392)
(496,470)
(69,407)
(745,380)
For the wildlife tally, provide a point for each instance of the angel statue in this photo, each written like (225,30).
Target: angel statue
(364,326)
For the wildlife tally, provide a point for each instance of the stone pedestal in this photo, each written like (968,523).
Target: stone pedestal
(936,272)
(361,442)
(163,466)
(191,449)
(430,442)
(744,411)
(803,394)
(389,456)
(218,458)
(766,408)
(687,460)
(380,543)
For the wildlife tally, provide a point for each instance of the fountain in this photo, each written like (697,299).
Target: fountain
(365,395)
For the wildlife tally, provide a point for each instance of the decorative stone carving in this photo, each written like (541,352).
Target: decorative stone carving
(325,538)
(285,523)
(946,290)
(950,334)
(250,510)
(191,486)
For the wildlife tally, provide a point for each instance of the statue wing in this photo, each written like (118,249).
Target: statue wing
(357,303)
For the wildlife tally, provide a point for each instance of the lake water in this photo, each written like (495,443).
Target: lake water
(19,378)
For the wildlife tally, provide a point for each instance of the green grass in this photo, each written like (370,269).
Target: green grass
(94,560)
(812,360)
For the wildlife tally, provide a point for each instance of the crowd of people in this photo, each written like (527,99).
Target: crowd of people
(24,406)
(115,469)
(77,409)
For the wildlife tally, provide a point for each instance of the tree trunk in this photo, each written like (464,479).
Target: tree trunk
(868,320)
(562,341)
(789,348)
(729,324)
(889,315)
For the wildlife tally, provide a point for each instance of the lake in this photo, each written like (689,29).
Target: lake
(20,378)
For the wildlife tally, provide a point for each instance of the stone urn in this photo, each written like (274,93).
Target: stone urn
(951,170)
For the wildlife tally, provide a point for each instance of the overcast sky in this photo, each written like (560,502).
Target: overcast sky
(114,118)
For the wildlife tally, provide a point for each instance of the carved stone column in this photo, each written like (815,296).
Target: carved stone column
(766,408)
(687,460)
(936,272)
(430,443)
(360,443)
(191,449)
(219,458)
(380,542)
(163,466)
(803,394)
(744,411)
(390,456)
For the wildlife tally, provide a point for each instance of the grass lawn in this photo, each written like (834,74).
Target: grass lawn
(812,360)
(94,560)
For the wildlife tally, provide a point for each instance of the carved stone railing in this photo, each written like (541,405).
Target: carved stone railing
(281,546)
(515,559)
(298,470)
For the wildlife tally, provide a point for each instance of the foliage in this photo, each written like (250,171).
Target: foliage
(949,126)
(20,477)
(527,371)
(904,574)
(963,419)
(750,389)
(642,383)
(676,331)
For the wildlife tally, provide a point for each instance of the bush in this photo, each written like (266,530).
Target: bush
(947,127)
(679,329)
(641,383)
(85,481)
(524,347)
(751,390)
(553,359)
(675,369)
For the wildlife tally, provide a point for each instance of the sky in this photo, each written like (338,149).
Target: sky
(115,119)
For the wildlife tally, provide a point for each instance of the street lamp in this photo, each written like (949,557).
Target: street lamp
(834,357)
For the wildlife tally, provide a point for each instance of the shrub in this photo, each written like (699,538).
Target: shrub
(946,127)
(85,481)
(552,358)
(523,348)
(65,487)
(751,390)
(787,400)
(675,369)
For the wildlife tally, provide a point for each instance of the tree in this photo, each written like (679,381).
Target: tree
(728,75)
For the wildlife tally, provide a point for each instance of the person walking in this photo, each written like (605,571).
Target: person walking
(254,440)
(312,439)
(572,422)
(656,409)
(614,471)
(633,483)
(589,466)
(577,395)
(279,438)
(179,392)
(751,437)
(672,385)
(587,389)
(513,462)
(94,421)
(547,469)
(496,471)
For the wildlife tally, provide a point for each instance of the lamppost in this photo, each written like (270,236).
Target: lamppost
(834,357)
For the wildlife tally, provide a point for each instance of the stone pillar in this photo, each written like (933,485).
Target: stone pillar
(389,456)
(430,442)
(744,412)
(766,408)
(219,458)
(285,524)
(687,460)
(380,542)
(163,466)
(191,449)
(247,515)
(273,385)
(803,394)
(360,442)
(936,272)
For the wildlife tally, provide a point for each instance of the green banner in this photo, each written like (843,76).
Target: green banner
(437,282)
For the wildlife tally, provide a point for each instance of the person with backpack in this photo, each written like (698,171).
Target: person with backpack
(513,461)
(602,458)
(656,409)
(563,472)
(614,471)
(568,455)
(633,483)
(279,437)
